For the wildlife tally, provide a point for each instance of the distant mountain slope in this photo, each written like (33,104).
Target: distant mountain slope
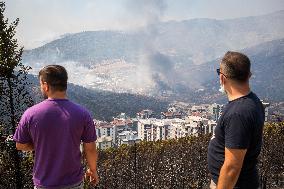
(171,59)
(267,62)
(268,69)
(105,105)
(267,81)
(85,47)
(185,42)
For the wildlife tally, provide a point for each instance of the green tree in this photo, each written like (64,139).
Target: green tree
(14,93)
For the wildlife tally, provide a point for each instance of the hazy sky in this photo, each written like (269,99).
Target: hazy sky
(44,20)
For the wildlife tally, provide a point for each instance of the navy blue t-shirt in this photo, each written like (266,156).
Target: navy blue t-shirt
(239,127)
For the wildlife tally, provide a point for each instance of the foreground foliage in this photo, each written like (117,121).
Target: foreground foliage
(163,164)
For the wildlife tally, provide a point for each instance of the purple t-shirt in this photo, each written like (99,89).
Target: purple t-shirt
(56,128)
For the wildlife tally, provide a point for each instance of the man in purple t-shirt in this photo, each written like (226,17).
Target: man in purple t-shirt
(54,129)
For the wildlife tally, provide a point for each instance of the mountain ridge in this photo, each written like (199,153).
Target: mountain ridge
(209,36)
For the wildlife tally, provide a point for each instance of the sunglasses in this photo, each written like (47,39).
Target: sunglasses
(219,72)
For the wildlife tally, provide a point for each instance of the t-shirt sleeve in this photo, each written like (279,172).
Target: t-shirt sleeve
(22,134)
(237,132)
(89,132)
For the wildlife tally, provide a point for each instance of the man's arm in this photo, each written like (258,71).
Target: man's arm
(25,147)
(91,155)
(231,168)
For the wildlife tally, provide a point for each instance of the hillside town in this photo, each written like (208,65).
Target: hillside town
(179,120)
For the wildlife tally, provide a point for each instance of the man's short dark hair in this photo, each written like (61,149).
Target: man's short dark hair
(236,66)
(55,76)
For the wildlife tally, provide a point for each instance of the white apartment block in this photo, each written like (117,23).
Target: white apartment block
(196,124)
(215,110)
(178,128)
(104,129)
(153,129)
(162,129)
(211,126)
(104,142)
(128,138)
(200,108)
(266,107)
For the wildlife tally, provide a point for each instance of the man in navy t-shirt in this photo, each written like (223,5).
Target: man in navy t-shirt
(236,142)
(54,129)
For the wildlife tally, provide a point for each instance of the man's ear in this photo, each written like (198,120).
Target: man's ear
(222,79)
(45,86)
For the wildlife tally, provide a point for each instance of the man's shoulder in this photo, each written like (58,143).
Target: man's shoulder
(46,106)
(245,105)
(34,109)
(247,110)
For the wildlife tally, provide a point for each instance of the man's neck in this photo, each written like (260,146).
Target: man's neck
(57,95)
(238,92)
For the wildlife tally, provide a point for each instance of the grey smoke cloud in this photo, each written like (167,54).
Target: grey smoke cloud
(151,10)
(43,20)
(160,66)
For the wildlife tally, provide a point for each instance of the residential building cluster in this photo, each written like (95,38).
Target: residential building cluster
(180,120)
